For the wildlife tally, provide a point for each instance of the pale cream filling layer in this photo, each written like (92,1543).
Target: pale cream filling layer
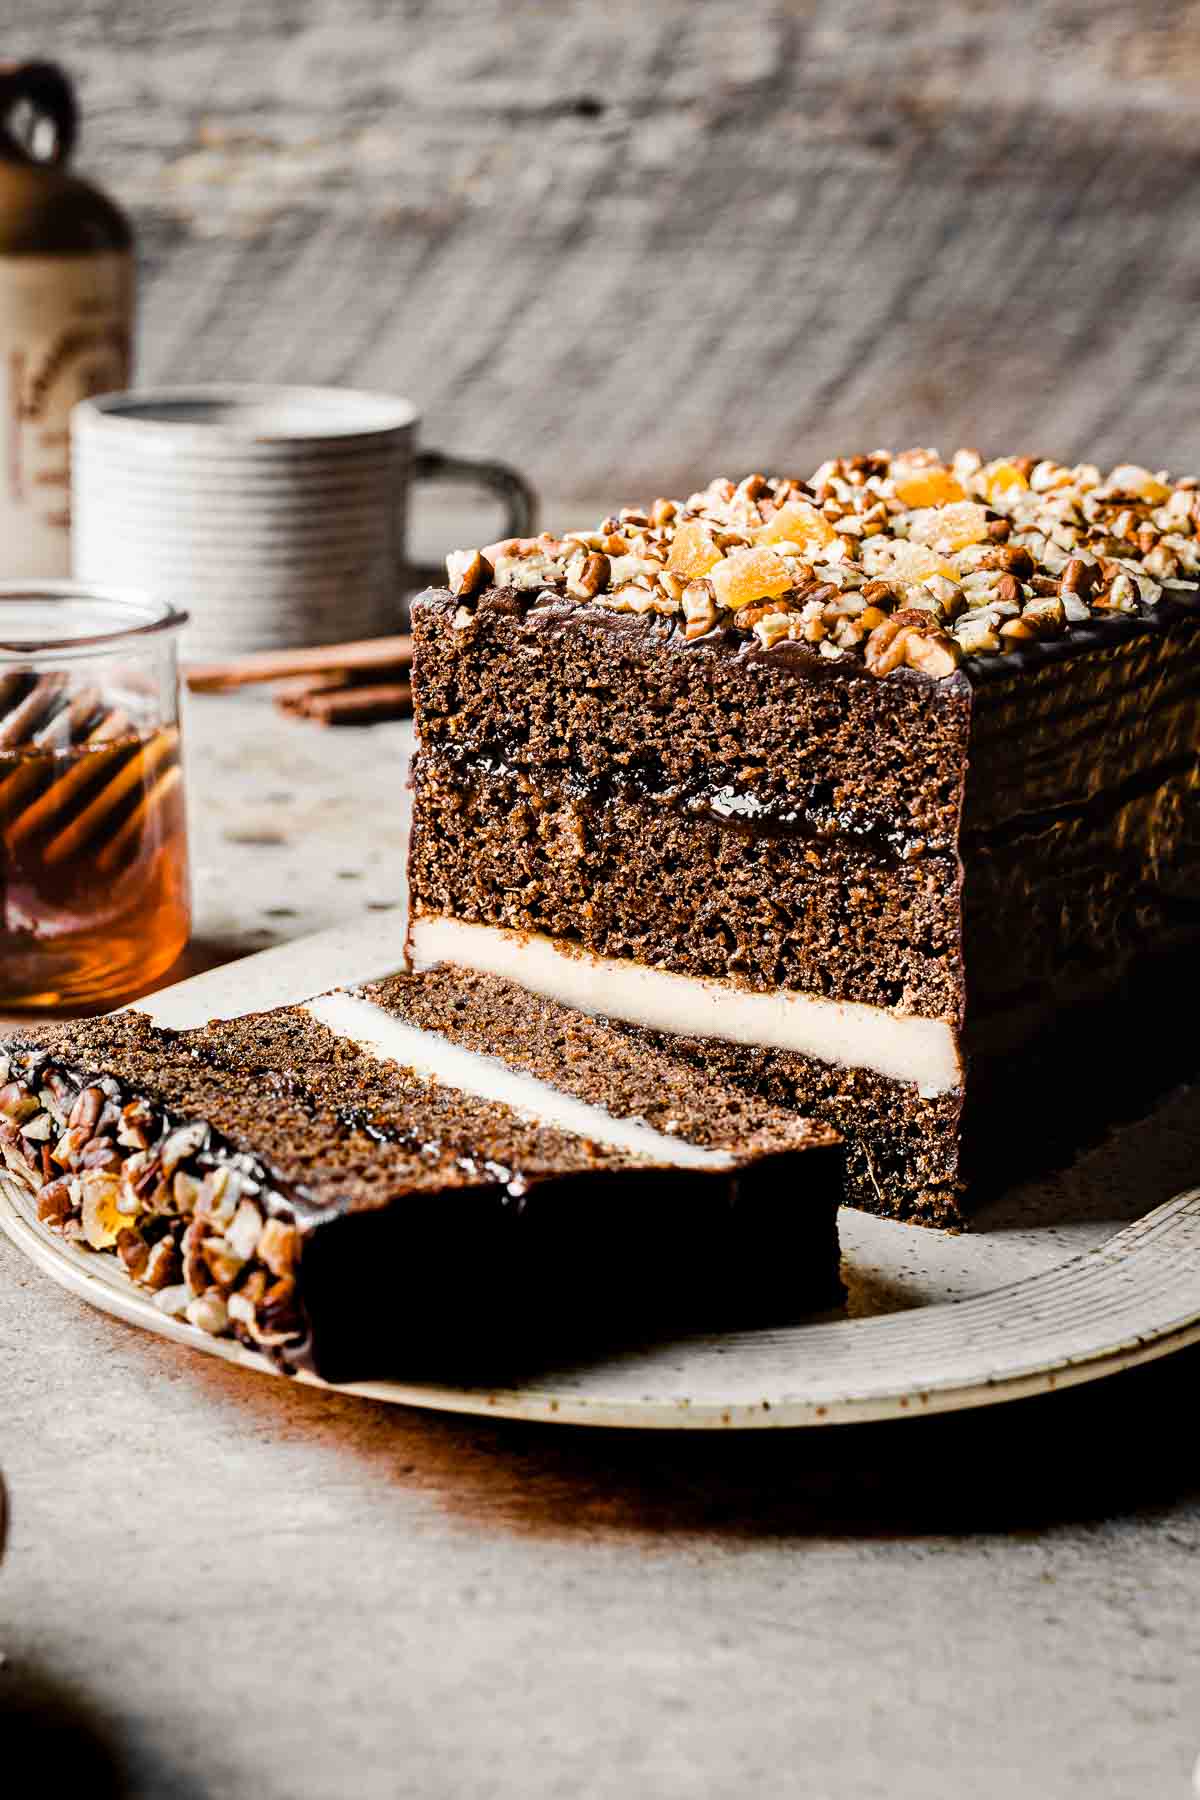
(435,1058)
(844,1032)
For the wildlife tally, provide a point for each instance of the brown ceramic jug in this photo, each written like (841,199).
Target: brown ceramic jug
(66,312)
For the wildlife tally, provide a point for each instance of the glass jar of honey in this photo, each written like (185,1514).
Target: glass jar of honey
(94,895)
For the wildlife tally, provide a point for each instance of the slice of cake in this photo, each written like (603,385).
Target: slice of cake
(878,791)
(345,1188)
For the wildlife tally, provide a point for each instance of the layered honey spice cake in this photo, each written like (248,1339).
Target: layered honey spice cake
(363,1186)
(873,794)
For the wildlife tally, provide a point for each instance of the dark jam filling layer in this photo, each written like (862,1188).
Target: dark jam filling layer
(720,799)
(718,796)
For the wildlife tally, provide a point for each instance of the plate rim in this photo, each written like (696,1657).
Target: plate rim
(96,1281)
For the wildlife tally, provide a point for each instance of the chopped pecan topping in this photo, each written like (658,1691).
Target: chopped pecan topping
(160,1195)
(1079,577)
(132,1249)
(468,572)
(699,608)
(162,1266)
(967,543)
(85,1113)
(1120,596)
(589,573)
(54,1203)
(278,1247)
(747,617)
(1047,618)
(913,639)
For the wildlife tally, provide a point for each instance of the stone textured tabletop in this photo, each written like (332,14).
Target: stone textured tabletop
(229,1588)
(293,826)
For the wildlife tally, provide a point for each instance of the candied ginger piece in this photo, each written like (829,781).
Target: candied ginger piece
(102,1219)
(950,528)
(904,562)
(927,487)
(1131,478)
(1003,481)
(693,551)
(747,575)
(797,523)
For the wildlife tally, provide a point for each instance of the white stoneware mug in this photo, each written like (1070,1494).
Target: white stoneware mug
(275,516)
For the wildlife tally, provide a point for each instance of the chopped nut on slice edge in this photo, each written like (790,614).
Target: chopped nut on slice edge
(203,1234)
(909,531)
(912,639)
(468,572)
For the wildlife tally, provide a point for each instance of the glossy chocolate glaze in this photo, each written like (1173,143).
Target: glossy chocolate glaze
(1081,818)
(1174,607)
(546,610)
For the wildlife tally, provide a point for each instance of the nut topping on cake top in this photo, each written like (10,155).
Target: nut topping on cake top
(892,560)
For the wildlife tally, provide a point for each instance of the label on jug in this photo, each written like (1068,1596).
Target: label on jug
(65,333)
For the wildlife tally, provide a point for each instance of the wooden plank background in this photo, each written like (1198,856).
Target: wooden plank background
(631,244)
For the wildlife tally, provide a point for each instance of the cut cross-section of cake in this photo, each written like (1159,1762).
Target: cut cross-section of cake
(353,1186)
(874,793)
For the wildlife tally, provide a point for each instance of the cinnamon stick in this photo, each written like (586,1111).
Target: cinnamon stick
(375,654)
(290,696)
(366,705)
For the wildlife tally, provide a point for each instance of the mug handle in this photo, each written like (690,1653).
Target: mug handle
(520,501)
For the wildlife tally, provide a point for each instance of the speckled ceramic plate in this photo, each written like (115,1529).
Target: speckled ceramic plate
(1068,1280)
